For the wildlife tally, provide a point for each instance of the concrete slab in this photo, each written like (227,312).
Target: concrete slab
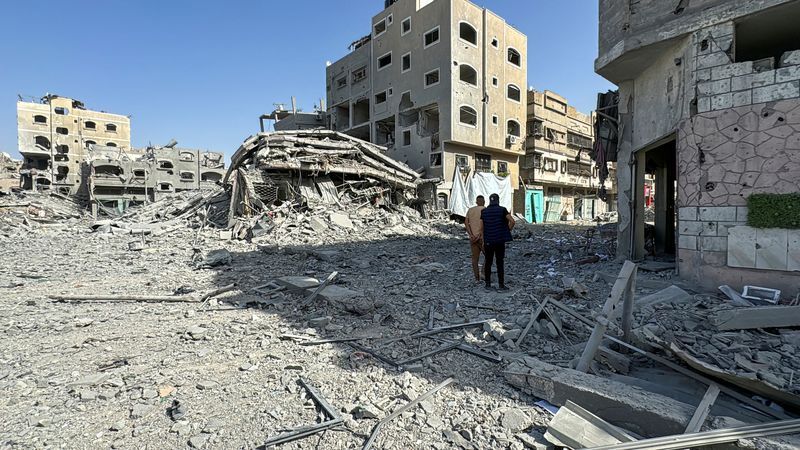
(341,220)
(772,249)
(336,293)
(742,247)
(297,285)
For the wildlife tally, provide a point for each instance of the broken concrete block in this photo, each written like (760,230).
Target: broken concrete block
(535,441)
(297,285)
(317,224)
(341,220)
(672,294)
(515,420)
(336,293)
(643,412)
(495,328)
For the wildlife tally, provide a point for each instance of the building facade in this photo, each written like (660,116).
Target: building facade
(709,104)
(441,83)
(561,180)
(53,138)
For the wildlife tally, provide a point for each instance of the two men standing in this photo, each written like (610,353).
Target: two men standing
(490,233)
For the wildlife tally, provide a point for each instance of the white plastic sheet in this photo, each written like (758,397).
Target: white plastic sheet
(463,197)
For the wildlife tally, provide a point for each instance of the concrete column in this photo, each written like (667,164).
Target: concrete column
(625,179)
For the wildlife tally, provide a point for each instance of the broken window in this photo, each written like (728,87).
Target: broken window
(441,201)
(380,97)
(164,187)
(211,177)
(62,130)
(468,74)
(107,170)
(767,34)
(502,168)
(61,173)
(139,173)
(63,148)
(88,143)
(514,128)
(483,162)
(406,138)
(385,61)
(89,125)
(61,158)
(536,128)
(186,156)
(462,162)
(405,63)
(429,121)
(187,176)
(42,141)
(61,111)
(111,127)
(341,82)
(495,81)
(164,164)
(39,119)
(578,141)
(384,131)
(514,93)
(468,116)
(380,27)
(432,78)
(341,118)
(532,161)
(495,43)
(405,101)
(514,57)
(110,144)
(495,119)
(468,33)
(436,159)
(405,26)
(550,165)
(431,37)
(359,74)
(563,167)
(361,111)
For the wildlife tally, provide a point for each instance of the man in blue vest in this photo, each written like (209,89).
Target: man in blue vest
(497,225)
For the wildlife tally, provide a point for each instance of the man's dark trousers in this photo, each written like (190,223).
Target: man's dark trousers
(498,253)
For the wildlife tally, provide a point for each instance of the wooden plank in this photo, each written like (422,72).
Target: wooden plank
(534,314)
(759,317)
(621,286)
(575,427)
(703,409)
(721,436)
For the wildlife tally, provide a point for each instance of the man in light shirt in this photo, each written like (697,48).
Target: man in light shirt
(474,226)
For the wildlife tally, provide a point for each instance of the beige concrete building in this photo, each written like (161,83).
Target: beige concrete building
(441,83)
(53,138)
(709,104)
(561,180)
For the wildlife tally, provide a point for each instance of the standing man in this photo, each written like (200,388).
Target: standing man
(474,227)
(497,225)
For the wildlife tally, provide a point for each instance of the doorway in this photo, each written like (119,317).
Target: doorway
(655,219)
(534,205)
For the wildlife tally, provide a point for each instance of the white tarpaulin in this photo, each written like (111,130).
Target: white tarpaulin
(478,183)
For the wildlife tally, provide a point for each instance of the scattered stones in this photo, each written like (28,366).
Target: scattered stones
(515,420)
(140,410)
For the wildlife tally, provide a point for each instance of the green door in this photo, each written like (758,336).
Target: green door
(534,205)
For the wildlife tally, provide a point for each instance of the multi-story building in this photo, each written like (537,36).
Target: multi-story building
(53,138)
(561,180)
(709,94)
(441,83)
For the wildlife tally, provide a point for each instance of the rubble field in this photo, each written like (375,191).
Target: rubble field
(171,334)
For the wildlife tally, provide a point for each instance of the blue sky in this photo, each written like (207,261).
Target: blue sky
(202,72)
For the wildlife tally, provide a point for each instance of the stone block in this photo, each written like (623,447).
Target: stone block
(741,214)
(790,58)
(724,227)
(712,60)
(716,259)
(794,250)
(723,101)
(732,70)
(687,213)
(717,214)
(772,249)
(690,228)
(742,98)
(790,73)
(742,247)
(703,104)
(712,244)
(297,285)
(744,82)
(774,92)
(708,228)
(687,242)
(714,87)
(764,64)
(703,75)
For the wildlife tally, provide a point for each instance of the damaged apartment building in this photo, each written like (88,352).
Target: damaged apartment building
(76,151)
(441,84)
(561,182)
(709,104)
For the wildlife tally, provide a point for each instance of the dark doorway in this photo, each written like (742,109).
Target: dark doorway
(655,205)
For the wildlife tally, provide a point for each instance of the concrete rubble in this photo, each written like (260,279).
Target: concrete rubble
(344,282)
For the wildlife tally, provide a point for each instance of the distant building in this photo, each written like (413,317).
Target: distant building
(561,180)
(53,138)
(441,83)
(294,119)
(9,172)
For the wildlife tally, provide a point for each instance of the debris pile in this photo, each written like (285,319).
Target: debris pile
(26,211)
(308,181)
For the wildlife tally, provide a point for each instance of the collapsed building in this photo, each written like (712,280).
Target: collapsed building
(708,101)
(117,179)
(9,172)
(312,169)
